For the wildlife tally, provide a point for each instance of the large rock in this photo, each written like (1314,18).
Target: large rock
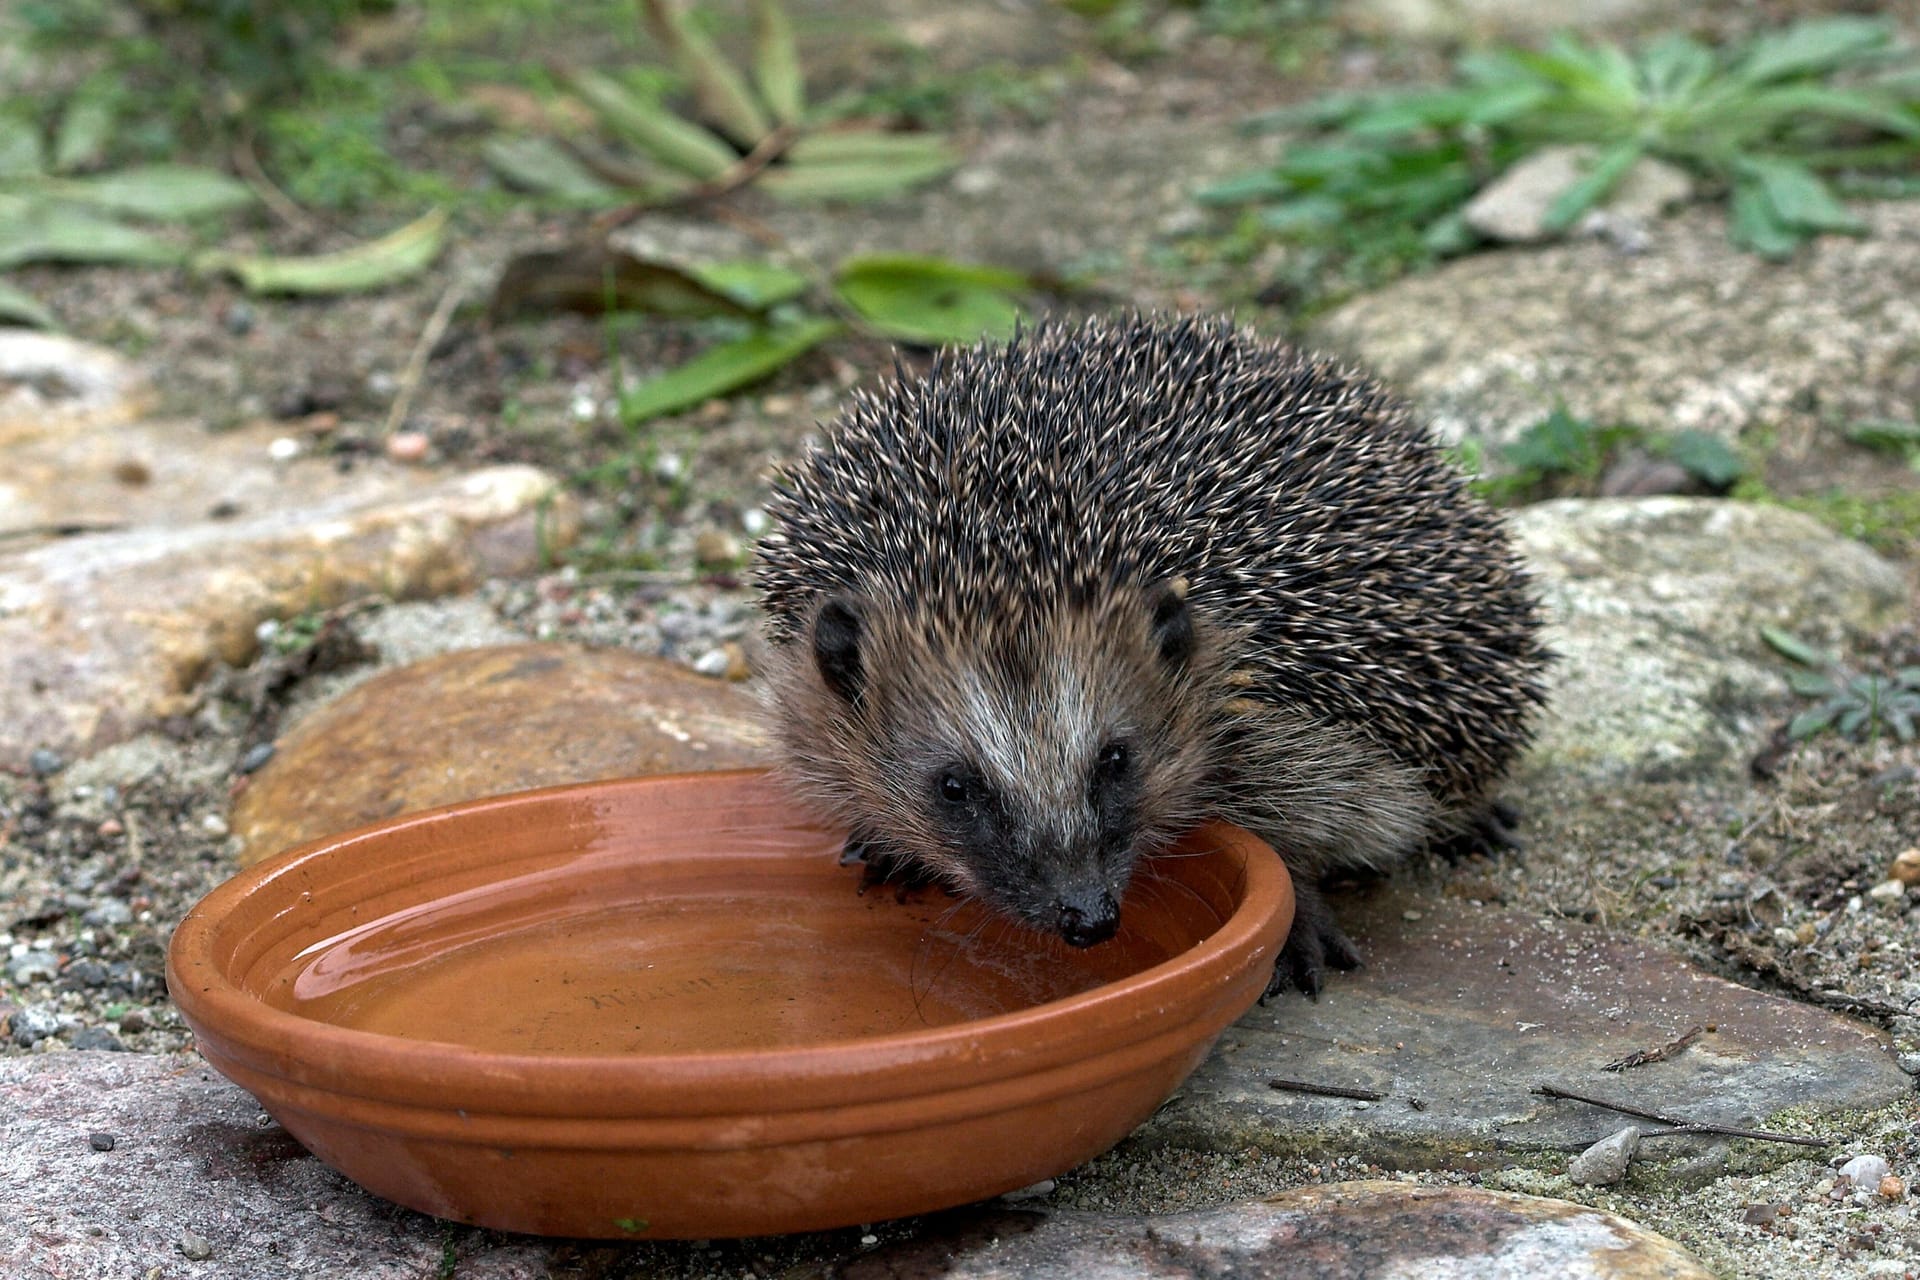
(1483,19)
(1694,334)
(1461,1009)
(53,386)
(482,722)
(104,633)
(1370,1230)
(1656,608)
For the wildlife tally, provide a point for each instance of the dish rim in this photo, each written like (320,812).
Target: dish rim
(241,1029)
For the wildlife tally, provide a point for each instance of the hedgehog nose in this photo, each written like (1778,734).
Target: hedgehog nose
(1089,919)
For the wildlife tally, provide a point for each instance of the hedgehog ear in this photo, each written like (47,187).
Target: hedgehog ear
(1172,623)
(836,648)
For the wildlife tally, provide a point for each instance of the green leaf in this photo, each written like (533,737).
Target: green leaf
(677,143)
(40,231)
(842,146)
(1253,185)
(1755,226)
(1888,437)
(724,368)
(595,277)
(1596,185)
(1449,235)
(396,256)
(751,282)
(1810,684)
(163,192)
(1798,197)
(1810,722)
(85,127)
(1674,66)
(776,62)
(1822,44)
(20,154)
(931,300)
(543,166)
(1794,649)
(1302,213)
(1852,720)
(852,180)
(723,96)
(1706,456)
(1797,100)
(19,307)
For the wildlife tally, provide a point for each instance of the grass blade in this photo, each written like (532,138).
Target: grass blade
(20,154)
(20,307)
(1589,190)
(544,167)
(724,368)
(843,146)
(392,258)
(85,128)
(776,62)
(723,96)
(852,180)
(1794,649)
(41,231)
(679,144)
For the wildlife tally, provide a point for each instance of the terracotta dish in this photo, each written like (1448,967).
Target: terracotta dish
(660,1008)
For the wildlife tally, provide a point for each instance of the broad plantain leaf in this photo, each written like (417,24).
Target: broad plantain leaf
(776,62)
(723,96)
(1794,649)
(163,192)
(396,256)
(675,142)
(1707,456)
(751,282)
(724,368)
(1816,45)
(543,166)
(862,179)
(1798,196)
(931,300)
(40,231)
(1754,225)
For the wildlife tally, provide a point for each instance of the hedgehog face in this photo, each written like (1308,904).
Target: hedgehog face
(1027,760)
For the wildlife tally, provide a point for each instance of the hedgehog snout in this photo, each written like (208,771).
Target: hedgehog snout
(1088,917)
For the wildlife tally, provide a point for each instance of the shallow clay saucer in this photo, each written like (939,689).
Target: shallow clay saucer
(660,1008)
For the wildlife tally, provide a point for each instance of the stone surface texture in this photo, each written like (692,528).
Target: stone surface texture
(1513,207)
(482,722)
(1694,334)
(1656,606)
(1363,1230)
(1460,1010)
(192,1154)
(1483,19)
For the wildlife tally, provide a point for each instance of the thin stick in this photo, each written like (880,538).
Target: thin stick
(764,153)
(417,362)
(1689,1126)
(278,201)
(1327,1090)
(1641,1057)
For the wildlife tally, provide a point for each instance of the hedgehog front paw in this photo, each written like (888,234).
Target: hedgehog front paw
(1493,830)
(1314,943)
(881,863)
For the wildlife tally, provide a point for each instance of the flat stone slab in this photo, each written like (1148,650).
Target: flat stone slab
(1461,1009)
(1692,334)
(482,722)
(103,634)
(191,1157)
(1368,1230)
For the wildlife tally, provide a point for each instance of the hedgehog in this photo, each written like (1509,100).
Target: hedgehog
(1034,615)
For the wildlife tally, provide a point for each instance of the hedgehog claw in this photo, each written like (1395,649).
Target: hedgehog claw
(1314,944)
(1491,832)
(880,865)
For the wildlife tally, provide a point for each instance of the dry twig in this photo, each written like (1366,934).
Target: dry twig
(1680,1126)
(1326,1090)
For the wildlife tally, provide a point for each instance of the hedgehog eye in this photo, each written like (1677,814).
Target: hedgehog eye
(1114,760)
(954,789)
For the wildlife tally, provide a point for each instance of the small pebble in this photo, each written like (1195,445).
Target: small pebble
(869,1240)
(111,827)
(715,548)
(34,1023)
(44,762)
(1906,867)
(239,319)
(1892,1187)
(214,825)
(1888,891)
(1865,1171)
(97,1038)
(284,449)
(754,521)
(258,754)
(107,913)
(1605,1162)
(408,446)
(33,966)
(100,1141)
(1410,915)
(711,663)
(195,1247)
